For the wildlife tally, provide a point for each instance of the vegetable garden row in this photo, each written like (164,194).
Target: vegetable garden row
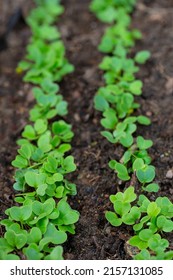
(42,220)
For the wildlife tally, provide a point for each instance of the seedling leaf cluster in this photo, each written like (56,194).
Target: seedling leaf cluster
(117,103)
(39,223)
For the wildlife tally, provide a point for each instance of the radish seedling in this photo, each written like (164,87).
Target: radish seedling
(116,102)
(38,225)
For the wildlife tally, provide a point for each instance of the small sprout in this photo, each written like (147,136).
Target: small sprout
(40,126)
(143,120)
(143,144)
(100,103)
(153,187)
(146,174)
(136,87)
(20,162)
(142,56)
(124,213)
(29,133)
(32,252)
(153,210)
(164,224)
(121,170)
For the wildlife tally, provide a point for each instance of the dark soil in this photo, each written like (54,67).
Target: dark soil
(95,238)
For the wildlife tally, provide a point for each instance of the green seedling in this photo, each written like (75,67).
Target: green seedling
(48,224)
(38,225)
(149,219)
(146,255)
(142,57)
(41,58)
(107,11)
(51,9)
(124,212)
(121,170)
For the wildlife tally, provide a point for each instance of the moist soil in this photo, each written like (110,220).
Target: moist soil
(81,32)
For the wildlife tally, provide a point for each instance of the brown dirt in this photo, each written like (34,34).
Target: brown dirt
(95,238)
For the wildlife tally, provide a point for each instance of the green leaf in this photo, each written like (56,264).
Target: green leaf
(62,108)
(43,208)
(69,165)
(49,87)
(16,240)
(151,188)
(168,255)
(143,120)
(29,132)
(11,257)
(34,236)
(59,192)
(109,136)
(54,214)
(41,190)
(42,224)
(131,217)
(100,103)
(53,236)
(108,14)
(44,142)
(122,208)
(129,195)
(40,126)
(153,210)
(21,214)
(143,255)
(58,177)
(136,87)
(164,224)
(63,148)
(122,172)
(126,140)
(51,165)
(37,155)
(32,252)
(19,185)
(67,215)
(56,254)
(107,44)
(142,56)
(63,130)
(127,157)
(146,174)
(138,164)
(145,234)
(34,179)
(20,162)
(143,144)
(25,151)
(139,226)
(157,244)
(137,242)
(5,246)
(110,119)
(112,164)
(113,219)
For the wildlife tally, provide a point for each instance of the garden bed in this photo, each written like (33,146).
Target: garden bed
(94,238)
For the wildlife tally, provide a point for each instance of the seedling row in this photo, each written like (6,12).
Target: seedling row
(39,224)
(116,100)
